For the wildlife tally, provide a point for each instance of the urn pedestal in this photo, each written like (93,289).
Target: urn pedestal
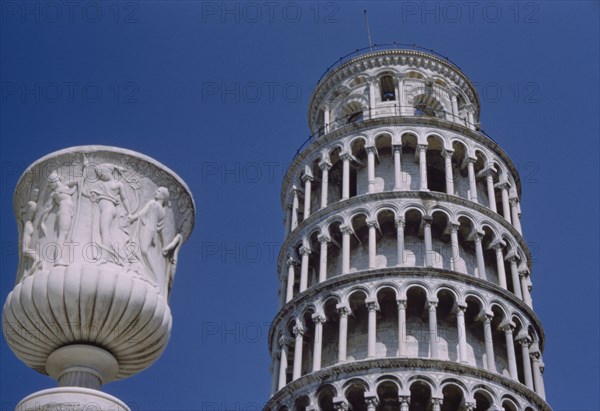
(100,230)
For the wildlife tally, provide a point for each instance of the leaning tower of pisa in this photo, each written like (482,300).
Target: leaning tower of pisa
(405,280)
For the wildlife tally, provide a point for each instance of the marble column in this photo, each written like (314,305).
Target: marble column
(308,179)
(455,246)
(397,149)
(325,167)
(433,343)
(283,362)
(462,332)
(472,181)
(305,252)
(524,342)
(345,176)
(497,246)
(427,220)
(423,166)
(523,276)
(343,311)
(510,351)
(448,171)
(324,240)
(514,208)
(326,118)
(503,186)
(370,169)
(489,178)
(512,258)
(295,203)
(372,402)
(401,328)
(400,241)
(537,366)
(319,320)
(404,402)
(373,307)
(489,342)
(477,239)
(373,225)
(299,335)
(346,232)
(291,278)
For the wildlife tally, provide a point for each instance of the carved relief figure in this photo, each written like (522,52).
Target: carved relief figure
(61,200)
(29,253)
(150,235)
(108,194)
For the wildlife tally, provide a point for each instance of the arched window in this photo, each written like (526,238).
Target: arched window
(386,84)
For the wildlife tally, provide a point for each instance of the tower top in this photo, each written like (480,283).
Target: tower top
(429,77)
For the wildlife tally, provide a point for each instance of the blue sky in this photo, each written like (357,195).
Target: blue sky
(219,91)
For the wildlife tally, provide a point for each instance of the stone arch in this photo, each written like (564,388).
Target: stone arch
(387,321)
(453,393)
(509,403)
(447,330)
(441,238)
(421,393)
(427,105)
(387,236)
(484,397)
(387,390)
(354,391)
(417,320)
(436,164)
(301,403)
(415,73)
(325,395)
(330,344)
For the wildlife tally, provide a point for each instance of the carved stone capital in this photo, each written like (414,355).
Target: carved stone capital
(372,305)
(346,229)
(346,156)
(305,250)
(298,329)
(324,238)
(400,222)
(401,304)
(325,165)
(497,244)
(523,339)
(404,399)
(372,224)
(284,341)
(340,404)
(422,147)
(502,185)
(371,401)
(507,326)
(343,310)
(319,318)
(307,177)
(291,261)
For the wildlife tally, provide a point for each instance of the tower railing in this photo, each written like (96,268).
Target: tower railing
(352,118)
(381,47)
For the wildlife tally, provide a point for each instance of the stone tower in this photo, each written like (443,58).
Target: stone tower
(404,276)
